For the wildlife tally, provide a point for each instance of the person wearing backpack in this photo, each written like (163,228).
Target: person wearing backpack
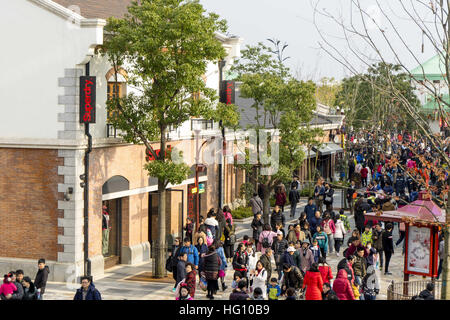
(267,262)
(266,238)
(230,240)
(370,284)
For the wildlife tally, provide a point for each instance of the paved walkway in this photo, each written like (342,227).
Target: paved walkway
(113,285)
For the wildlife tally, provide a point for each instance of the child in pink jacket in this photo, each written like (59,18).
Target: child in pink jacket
(7,287)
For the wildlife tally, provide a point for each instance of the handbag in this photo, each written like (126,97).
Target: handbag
(169,264)
(202,282)
(328,198)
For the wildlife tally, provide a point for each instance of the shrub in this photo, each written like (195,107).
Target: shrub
(242,213)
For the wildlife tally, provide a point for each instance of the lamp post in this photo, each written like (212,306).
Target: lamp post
(198,167)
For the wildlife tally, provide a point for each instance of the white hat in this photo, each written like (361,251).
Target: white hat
(290,249)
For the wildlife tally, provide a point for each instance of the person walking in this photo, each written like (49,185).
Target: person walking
(277,217)
(325,270)
(310,209)
(342,286)
(319,194)
(377,241)
(322,240)
(223,265)
(87,291)
(181,268)
(257,228)
(280,198)
(306,257)
(315,222)
(191,251)
(328,200)
(266,238)
(294,198)
(40,281)
(360,266)
(256,204)
(211,266)
(339,234)
(280,246)
(388,247)
(292,278)
(266,260)
(240,260)
(230,240)
(350,196)
(202,249)
(296,234)
(313,283)
(259,277)
(329,228)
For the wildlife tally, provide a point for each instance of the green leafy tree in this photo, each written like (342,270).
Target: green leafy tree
(281,103)
(165,46)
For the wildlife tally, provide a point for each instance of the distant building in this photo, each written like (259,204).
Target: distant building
(432,74)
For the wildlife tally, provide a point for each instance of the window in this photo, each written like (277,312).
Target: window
(202,124)
(115,90)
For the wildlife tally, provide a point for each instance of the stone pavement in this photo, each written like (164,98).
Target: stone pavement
(113,285)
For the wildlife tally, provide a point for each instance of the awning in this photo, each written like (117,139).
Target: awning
(330,148)
(312,153)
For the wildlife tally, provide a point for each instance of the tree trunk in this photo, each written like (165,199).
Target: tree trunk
(160,256)
(266,203)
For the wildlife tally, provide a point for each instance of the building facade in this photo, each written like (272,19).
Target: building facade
(43,146)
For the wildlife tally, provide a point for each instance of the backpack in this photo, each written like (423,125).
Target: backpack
(265,243)
(209,238)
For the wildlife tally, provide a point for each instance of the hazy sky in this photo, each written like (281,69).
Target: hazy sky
(291,21)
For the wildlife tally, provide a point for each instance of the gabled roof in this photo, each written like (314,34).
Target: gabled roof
(433,68)
(102,9)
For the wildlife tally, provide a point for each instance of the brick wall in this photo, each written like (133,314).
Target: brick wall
(29,203)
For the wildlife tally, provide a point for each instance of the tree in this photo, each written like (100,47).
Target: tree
(165,45)
(369,103)
(326,91)
(282,104)
(389,45)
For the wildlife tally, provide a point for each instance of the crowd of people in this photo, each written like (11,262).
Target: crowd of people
(17,286)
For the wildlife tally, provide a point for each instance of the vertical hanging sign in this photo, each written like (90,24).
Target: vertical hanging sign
(87,99)
(227,92)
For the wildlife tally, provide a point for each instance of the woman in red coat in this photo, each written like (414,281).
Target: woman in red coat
(313,283)
(325,270)
(280,198)
(342,286)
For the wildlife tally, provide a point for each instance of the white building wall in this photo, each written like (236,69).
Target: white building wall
(38,45)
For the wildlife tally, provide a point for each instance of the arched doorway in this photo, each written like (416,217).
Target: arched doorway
(115,203)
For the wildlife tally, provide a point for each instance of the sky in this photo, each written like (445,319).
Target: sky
(292,21)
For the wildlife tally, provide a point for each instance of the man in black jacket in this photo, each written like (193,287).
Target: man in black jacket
(350,191)
(279,245)
(257,226)
(388,247)
(293,278)
(18,294)
(267,263)
(426,294)
(294,198)
(277,216)
(41,277)
(181,267)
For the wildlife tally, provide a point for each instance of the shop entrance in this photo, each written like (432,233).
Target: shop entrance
(113,244)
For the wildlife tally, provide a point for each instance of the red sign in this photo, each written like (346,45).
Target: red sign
(421,251)
(150,157)
(191,202)
(227,94)
(87,99)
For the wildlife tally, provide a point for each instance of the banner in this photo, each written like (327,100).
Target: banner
(87,99)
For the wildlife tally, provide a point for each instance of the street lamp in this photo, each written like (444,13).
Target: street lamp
(198,166)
